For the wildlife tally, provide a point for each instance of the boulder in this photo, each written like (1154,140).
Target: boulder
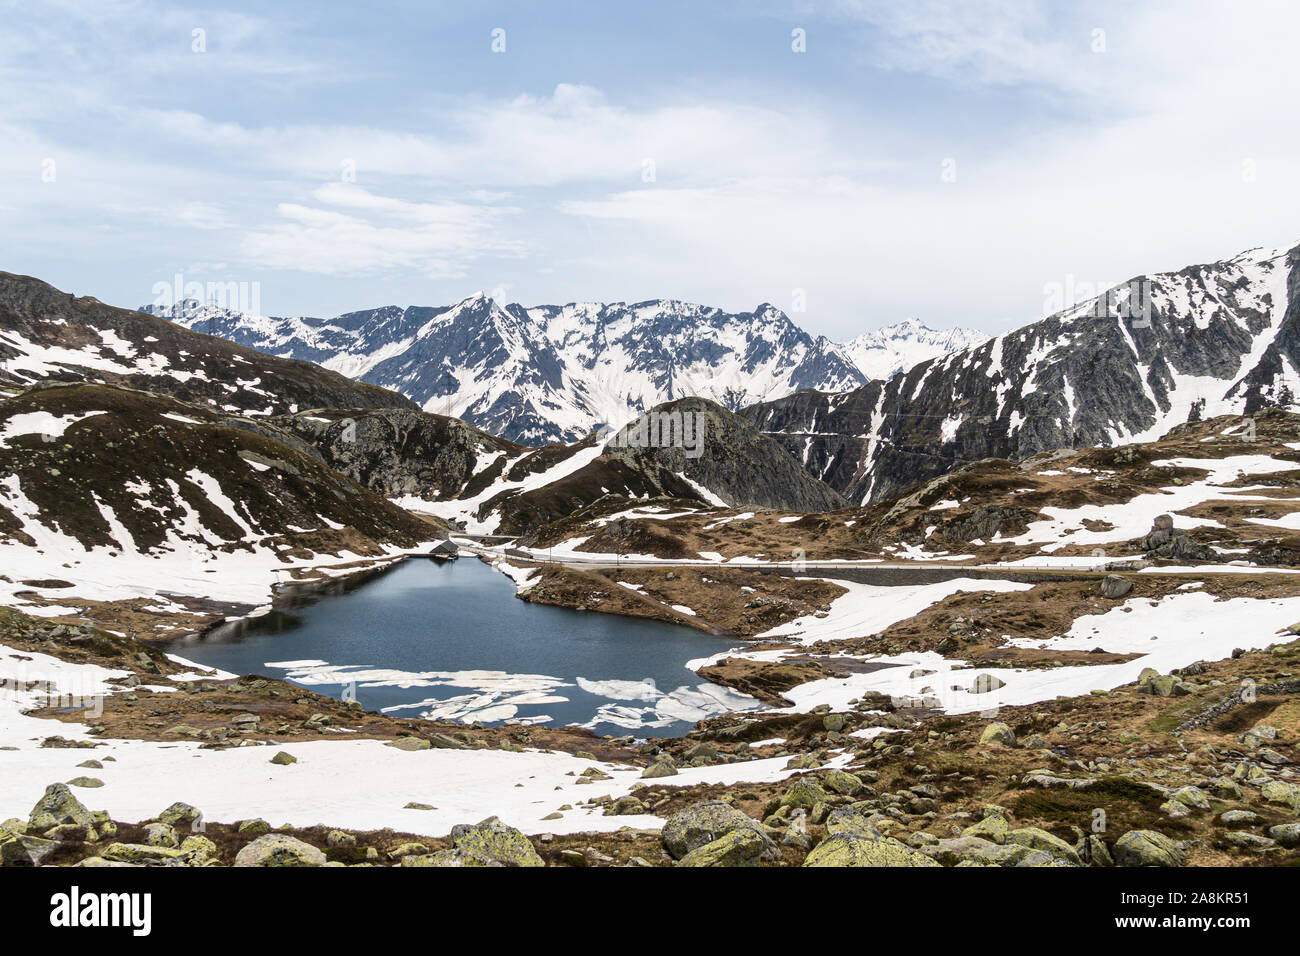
(993,828)
(851,821)
(199,850)
(1246,840)
(57,806)
(161,834)
(998,733)
(488,843)
(1148,848)
(804,792)
(661,768)
(26,850)
(842,782)
(142,854)
(1281,792)
(1192,797)
(279,849)
(744,846)
(704,823)
(1036,839)
(1115,587)
(844,849)
(180,814)
(1287,834)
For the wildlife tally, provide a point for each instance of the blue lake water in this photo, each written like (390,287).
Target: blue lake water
(451,641)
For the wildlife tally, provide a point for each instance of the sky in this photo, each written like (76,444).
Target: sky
(853,163)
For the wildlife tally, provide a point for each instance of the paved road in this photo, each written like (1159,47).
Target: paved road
(894,572)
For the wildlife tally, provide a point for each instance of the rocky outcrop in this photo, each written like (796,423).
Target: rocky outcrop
(399,452)
(1166,541)
(165,468)
(721,458)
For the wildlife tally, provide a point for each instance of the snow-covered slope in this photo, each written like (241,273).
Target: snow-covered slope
(48,335)
(554,373)
(1160,350)
(125,494)
(884,353)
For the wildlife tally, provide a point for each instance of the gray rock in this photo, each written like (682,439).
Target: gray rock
(1115,587)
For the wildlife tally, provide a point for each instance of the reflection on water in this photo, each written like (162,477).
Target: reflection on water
(451,641)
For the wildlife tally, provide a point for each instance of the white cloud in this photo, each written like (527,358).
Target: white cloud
(379,235)
(1100,165)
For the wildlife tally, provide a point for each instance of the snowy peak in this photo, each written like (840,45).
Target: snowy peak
(884,353)
(550,373)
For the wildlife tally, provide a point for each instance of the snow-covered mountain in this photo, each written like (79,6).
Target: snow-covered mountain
(1160,350)
(884,353)
(553,373)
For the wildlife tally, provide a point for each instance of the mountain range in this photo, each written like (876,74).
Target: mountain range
(1127,366)
(555,372)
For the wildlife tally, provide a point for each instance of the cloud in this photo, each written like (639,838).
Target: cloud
(355,232)
(769,172)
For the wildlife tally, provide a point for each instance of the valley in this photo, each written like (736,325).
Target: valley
(337,627)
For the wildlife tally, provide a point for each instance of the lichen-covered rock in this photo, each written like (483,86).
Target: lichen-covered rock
(1148,848)
(993,827)
(409,743)
(998,733)
(57,806)
(1246,840)
(1281,792)
(1036,839)
(960,849)
(488,843)
(72,833)
(740,847)
(834,723)
(1287,834)
(703,823)
(804,792)
(284,758)
(663,767)
(851,821)
(255,825)
(844,849)
(161,834)
(199,850)
(1098,852)
(340,838)
(842,782)
(279,849)
(141,853)
(180,814)
(404,850)
(1193,797)
(26,850)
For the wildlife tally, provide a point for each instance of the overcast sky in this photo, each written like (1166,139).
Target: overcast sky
(954,163)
